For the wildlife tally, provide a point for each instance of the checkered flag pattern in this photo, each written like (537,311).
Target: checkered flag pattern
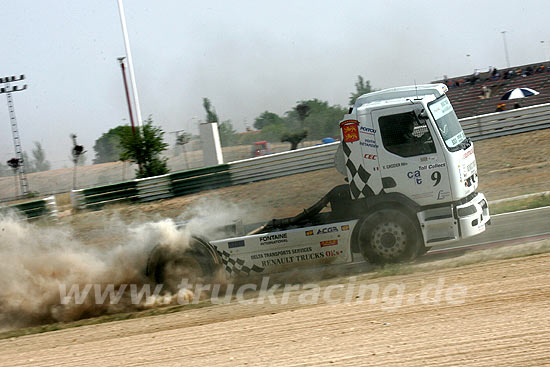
(236,265)
(359,176)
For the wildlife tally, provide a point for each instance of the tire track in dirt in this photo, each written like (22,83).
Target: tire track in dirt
(503,321)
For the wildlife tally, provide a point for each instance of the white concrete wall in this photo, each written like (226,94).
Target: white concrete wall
(210,141)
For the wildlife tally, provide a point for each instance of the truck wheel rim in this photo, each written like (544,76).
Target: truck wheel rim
(389,239)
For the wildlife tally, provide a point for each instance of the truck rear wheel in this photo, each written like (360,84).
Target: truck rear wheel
(388,236)
(168,265)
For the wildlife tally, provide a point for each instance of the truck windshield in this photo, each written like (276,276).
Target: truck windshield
(447,122)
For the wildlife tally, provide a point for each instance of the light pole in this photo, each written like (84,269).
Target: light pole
(130,63)
(544,49)
(76,152)
(505,48)
(7,89)
(14,163)
(470,62)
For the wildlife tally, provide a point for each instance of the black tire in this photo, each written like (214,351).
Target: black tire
(389,236)
(169,266)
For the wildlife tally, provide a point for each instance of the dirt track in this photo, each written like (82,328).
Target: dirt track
(504,320)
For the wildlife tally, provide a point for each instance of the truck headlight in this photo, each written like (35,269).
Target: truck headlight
(464,212)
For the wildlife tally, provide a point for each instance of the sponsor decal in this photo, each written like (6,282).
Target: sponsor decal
(394,165)
(415,175)
(273,239)
(368,130)
(436,177)
(234,244)
(442,195)
(468,153)
(309,233)
(370,145)
(471,167)
(277,253)
(350,130)
(370,156)
(329,243)
(432,166)
(345,227)
(301,257)
(327,230)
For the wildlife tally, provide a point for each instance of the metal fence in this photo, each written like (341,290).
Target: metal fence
(497,124)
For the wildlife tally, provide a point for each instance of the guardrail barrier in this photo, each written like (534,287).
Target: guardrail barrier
(33,210)
(285,163)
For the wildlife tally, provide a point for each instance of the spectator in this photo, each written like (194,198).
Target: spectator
(485,92)
(501,107)
(517,105)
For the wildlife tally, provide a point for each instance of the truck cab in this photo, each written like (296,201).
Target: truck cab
(407,141)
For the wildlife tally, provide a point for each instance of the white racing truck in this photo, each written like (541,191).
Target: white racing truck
(411,185)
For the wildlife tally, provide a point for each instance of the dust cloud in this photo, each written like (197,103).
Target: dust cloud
(38,262)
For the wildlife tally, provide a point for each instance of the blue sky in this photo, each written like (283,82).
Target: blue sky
(246,56)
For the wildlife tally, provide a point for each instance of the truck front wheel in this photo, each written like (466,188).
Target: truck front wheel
(389,236)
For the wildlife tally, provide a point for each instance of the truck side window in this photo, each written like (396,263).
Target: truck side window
(403,135)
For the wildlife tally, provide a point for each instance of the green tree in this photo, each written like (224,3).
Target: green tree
(29,166)
(228,135)
(211,115)
(40,163)
(317,117)
(107,147)
(5,170)
(294,138)
(362,86)
(273,132)
(267,119)
(145,148)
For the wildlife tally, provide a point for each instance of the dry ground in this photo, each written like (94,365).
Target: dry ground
(501,318)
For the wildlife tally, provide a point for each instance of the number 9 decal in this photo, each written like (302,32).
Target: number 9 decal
(436,176)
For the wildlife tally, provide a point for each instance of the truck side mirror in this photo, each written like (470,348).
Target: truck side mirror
(423,115)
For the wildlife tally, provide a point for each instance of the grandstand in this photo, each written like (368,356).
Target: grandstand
(469,98)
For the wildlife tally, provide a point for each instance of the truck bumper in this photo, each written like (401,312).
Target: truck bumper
(473,216)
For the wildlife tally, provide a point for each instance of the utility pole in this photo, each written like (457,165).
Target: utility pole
(121,61)
(505,48)
(7,89)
